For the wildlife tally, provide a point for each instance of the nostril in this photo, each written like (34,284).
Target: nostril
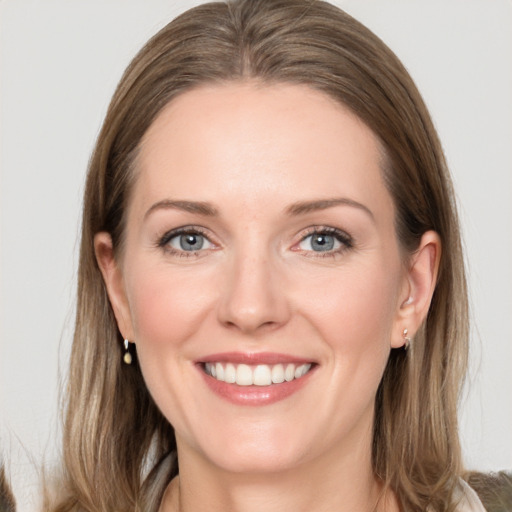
(251,327)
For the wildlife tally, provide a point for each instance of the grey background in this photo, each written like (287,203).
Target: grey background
(59,64)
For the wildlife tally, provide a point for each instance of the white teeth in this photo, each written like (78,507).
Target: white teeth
(230,374)
(277,374)
(302,370)
(289,373)
(260,375)
(219,371)
(244,375)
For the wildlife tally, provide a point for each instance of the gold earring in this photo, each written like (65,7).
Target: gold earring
(127,358)
(407,340)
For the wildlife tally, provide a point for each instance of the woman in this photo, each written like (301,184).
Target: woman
(272,307)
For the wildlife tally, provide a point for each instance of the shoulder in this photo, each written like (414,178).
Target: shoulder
(493,489)
(468,500)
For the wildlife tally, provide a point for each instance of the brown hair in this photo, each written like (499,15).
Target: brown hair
(7,502)
(119,451)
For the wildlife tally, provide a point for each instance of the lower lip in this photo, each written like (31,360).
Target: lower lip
(255,395)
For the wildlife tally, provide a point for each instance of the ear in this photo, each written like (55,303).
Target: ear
(418,288)
(113,278)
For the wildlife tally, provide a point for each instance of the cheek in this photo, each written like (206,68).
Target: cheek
(353,313)
(167,308)
(354,308)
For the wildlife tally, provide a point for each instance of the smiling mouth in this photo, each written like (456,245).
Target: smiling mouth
(256,375)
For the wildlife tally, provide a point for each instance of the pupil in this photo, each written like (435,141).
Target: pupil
(323,242)
(191,242)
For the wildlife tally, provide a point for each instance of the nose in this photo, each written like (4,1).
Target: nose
(253,297)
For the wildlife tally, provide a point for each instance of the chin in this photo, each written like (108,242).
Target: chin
(255,460)
(253,448)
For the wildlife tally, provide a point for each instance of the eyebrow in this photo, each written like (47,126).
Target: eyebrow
(198,207)
(299,208)
(303,207)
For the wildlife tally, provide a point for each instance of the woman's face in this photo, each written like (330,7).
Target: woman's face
(260,244)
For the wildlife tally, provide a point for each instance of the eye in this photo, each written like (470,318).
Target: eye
(189,242)
(185,240)
(325,241)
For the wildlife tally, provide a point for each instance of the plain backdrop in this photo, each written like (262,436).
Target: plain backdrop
(59,64)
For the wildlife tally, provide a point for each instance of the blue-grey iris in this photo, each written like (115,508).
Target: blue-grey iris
(322,242)
(191,242)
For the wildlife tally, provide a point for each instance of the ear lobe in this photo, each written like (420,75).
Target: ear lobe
(419,286)
(113,279)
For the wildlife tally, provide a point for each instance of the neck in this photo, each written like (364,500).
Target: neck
(341,482)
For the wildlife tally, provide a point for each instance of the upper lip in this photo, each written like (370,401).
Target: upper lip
(253,358)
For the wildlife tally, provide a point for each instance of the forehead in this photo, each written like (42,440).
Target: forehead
(247,140)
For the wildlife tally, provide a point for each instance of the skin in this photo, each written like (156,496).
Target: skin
(252,151)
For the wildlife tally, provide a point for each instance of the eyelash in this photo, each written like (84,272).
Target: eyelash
(163,241)
(342,237)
